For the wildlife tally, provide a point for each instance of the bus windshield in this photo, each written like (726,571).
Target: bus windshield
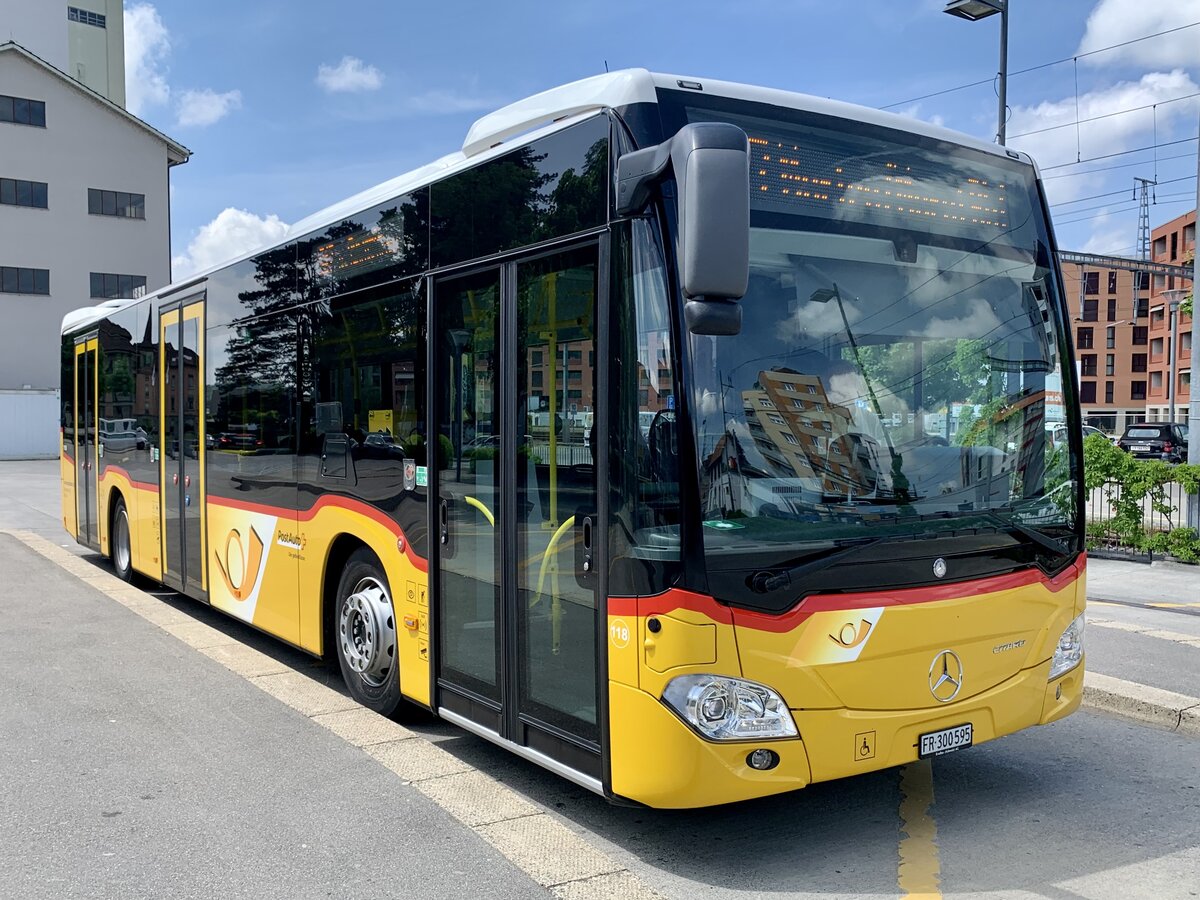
(899,357)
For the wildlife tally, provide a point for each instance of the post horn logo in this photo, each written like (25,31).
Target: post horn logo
(850,637)
(242,563)
(945,676)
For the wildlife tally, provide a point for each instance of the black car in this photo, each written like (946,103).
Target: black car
(1167,441)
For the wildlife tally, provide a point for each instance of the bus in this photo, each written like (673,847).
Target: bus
(815,525)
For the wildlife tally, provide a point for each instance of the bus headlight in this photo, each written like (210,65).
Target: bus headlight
(729,709)
(1069,651)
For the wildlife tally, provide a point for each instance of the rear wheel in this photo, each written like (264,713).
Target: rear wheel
(122,555)
(364,631)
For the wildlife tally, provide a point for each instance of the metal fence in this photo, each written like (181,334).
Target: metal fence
(1100,511)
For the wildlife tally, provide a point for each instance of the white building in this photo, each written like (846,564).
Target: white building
(84,186)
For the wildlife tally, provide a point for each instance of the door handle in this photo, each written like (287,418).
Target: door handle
(444,522)
(587,545)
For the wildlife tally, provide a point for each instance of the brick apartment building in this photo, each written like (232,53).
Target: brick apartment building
(1174,243)
(1122,337)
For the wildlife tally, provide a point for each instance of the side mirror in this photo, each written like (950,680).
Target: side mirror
(711,164)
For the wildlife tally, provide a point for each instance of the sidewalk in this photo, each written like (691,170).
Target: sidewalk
(1130,582)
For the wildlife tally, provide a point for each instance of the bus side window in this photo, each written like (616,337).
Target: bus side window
(644,469)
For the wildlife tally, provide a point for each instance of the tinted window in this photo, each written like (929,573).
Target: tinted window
(1151,433)
(554,186)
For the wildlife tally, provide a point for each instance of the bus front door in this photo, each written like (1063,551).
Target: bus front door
(516,524)
(87,466)
(182,450)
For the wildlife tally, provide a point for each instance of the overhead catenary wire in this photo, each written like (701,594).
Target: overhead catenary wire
(1115,193)
(1119,112)
(1078,56)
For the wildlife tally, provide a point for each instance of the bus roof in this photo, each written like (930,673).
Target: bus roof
(533,117)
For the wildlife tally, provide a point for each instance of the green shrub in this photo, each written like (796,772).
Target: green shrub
(1126,484)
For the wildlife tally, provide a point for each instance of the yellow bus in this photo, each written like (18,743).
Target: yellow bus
(683,437)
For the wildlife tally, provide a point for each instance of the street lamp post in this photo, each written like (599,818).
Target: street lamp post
(973,11)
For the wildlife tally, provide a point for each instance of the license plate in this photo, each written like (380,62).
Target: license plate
(935,743)
(1141,448)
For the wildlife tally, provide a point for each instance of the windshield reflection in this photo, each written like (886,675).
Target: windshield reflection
(866,390)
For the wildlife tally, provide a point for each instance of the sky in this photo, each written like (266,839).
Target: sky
(290,105)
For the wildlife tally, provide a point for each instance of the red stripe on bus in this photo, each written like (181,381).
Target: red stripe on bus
(346,503)
(675,599)
(140,485)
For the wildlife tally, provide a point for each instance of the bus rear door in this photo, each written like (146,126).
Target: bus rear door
(182,451)
(87,466)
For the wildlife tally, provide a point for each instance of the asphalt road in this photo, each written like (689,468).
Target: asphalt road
(134,765)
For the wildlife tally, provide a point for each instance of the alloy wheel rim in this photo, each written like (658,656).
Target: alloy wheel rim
(367,632)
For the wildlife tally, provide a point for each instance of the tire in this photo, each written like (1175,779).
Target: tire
(364,634)
(119,543)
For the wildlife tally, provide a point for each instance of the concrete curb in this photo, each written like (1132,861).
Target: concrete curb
(1141,703)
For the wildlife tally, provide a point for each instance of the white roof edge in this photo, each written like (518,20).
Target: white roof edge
(77,317)
(588,94)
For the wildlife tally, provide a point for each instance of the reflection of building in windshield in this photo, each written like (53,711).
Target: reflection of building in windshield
(801,433)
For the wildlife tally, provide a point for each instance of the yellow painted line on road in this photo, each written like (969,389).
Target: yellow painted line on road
(919,874)
(1175,605)
(1101,603)
(536,843)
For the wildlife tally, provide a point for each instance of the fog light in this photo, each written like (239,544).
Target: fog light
(762,759)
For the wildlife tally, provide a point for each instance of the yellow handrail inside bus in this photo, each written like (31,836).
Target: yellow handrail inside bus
(482,507)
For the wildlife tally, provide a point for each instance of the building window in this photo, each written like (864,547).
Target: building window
(1140,335)
(1112,309)
(16,192)
(85,17)
(1108,392)
(535,379)
(1087,364)
(1112,282)
(116,203)
(108,286)
(1137,390)
(17,280)
(1087,392)
(1083,338)
(1091,310)
(1110,364)
(789,387)
(21,111)
(1110,338)
(1137,362)
(1156,381)
(1091,282)
(1143,280)
(1156,348)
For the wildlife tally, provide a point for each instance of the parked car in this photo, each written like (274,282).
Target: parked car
(1167,441)
(1057,432)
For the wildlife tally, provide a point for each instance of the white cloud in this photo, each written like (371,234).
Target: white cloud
(204,107)
(914,112)
(1117,21)
(1108,235)
(1112,134)
(233,233)
(147,46)
(351,75)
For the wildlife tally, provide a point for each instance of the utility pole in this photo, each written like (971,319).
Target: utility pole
(1193,516)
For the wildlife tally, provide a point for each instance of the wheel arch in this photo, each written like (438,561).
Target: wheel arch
(111,497)
(340,550)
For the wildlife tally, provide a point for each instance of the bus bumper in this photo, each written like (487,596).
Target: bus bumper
(657,760)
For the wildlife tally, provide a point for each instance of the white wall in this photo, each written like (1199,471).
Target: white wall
(84,145)
(40,26)
(29,424)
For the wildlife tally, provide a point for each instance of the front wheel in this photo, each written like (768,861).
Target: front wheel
(365,634)
(122,555)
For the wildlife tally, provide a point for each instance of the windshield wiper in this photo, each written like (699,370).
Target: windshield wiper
(1042,540)
(767,581)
